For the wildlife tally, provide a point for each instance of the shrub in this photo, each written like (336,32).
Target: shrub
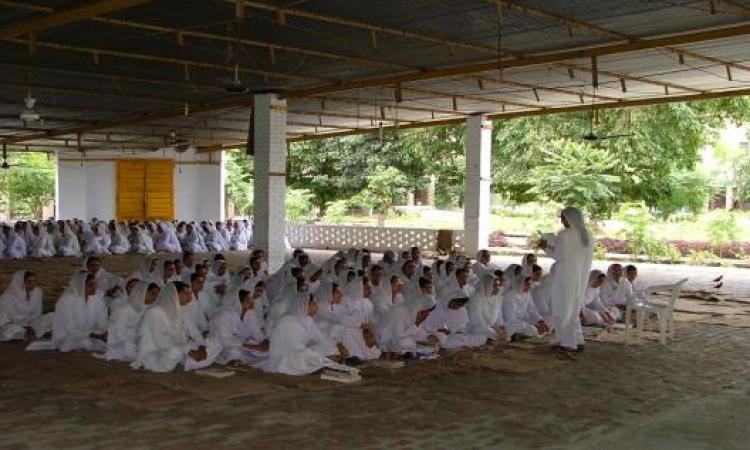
(298,205)
(498,239)
(335,212)
(722,230)
(610,245)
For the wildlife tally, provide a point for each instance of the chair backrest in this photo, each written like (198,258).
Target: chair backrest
(674,290)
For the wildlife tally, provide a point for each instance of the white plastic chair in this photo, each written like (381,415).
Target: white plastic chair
(660,306)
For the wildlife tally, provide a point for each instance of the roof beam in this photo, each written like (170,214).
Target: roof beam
(184,33)
(78,11)
(530,60)
(372,27)
(472,98)
(638,79)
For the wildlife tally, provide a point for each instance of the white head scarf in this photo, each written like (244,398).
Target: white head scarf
(137,297)
(169,301)
(575,219)
(483,304)
(15,299)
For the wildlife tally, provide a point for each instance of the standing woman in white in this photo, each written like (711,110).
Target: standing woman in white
(572,249)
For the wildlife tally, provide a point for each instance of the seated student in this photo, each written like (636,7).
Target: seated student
(91,241)
(380,293)
(636,286)
(68,244)
(451,320)
(124,319)
(293,285)
(616,288)
(164,341)
(166,239)
(483,263)
(42,245)
(239,329)
(593,311)
(106,282)
(520,313)
(357,306)
(164,273)
(528,263)
(119,243)
(485,308)
(119,296)
(458,280)
(141,241)
(21,309)
(193,241)
(295,338)
(80,320)
(238,241)
(400,331)
(15,247)
(536,275)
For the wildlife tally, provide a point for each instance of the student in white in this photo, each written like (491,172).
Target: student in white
(239,329)
(593,311)
(80,320)
(106,281)
(450,322)
(616,288)
(119,244)
(519,311)
(637,287)
(485,308)
(42,246)
(294,339)
(400,330)
(124,319)
(163,339)
(68,244)
(16,245)
(21,309)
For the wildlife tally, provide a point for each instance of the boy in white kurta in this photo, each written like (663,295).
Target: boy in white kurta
(80,320)
(21,309)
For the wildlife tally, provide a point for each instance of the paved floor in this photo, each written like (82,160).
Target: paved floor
(692,394)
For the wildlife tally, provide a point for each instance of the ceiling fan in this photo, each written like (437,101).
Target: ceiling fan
(235,85)
(177,144)
(593,137)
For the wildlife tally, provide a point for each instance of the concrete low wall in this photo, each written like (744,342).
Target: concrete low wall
(374,238)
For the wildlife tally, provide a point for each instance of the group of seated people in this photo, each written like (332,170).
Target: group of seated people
(75,238)
(302,318)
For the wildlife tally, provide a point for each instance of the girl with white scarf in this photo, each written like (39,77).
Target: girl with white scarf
(123,322)
(16,246)
(92,244)
(164,341)
(593,311)
(238,326)
(519,311)
(450,322)
(68,244)
(193,241)
(348,317)
(42,246)
(616,288)
(485,308)
(166,239)
(400,330)
(119,244)
(238,240)
(294,339)
(21,309)
(214,240)
(80,320)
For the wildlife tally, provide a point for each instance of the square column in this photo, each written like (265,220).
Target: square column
(478,181)
(269,141)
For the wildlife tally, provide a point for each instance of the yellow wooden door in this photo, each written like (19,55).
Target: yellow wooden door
(131,185)
(159,192)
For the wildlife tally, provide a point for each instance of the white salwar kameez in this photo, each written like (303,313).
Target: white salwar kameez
(293,340)
(123,325)
(77,316)
(20,309)
(485,309)
(519,312)
(455,321)
(68,244)
(234,329)
(42,247)
(398,332)
(572,249)
(16,246)
(164,340)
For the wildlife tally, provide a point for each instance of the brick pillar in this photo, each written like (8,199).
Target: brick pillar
(478,180)
(269,113)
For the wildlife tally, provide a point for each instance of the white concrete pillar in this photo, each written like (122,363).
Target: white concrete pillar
(478,181)
(269,113)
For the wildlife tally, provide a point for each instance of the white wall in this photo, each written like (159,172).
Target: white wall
(90,190)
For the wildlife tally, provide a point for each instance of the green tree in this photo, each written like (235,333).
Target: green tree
(28,185)
(238,183)
(576,175)
(386,186)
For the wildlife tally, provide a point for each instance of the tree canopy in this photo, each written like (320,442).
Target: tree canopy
(542,158)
